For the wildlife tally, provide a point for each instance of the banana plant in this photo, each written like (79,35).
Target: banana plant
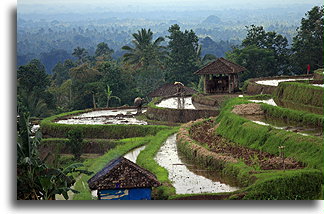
(110,96)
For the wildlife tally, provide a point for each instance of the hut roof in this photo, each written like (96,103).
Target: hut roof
(170,89)
(220,66)
(122,173)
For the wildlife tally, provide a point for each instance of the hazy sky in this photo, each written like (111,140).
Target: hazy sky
(147,5)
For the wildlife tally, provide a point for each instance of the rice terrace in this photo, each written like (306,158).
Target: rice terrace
(163,117)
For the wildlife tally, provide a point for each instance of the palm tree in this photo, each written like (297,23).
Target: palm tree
(146,52)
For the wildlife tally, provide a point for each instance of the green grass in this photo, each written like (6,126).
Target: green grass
(302,117)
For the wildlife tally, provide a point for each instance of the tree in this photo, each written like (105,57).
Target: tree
(103,51)
(84,73)
(32,92)
(80,53)
(82,76)
(184,56)
(28,77)
(146,51)
(308,43)
(51,58)
(278,44)
(257,61)
(61,71)
(63,95)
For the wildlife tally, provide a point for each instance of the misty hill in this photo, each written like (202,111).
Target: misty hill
(212,19)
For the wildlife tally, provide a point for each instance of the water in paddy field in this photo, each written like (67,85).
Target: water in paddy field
(187,177)
(182,103)
(99,117)
(133,154)
(269,101)
(177,103)
(320,85)
(277,81)
(289,126)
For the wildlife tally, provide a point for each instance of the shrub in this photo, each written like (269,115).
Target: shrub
(76,143)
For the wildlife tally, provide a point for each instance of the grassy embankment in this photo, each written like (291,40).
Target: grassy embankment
(270,184)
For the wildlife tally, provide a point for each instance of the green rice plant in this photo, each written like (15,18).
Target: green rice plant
(300,93)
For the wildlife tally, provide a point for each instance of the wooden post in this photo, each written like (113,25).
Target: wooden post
(229,83)
(205,83)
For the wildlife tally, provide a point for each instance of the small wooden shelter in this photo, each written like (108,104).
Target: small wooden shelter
(121,179)
(220,76)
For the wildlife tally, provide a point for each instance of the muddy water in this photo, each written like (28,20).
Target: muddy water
(188,178)
(116,116)
(289,126)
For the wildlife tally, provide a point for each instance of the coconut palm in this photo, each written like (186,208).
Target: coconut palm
(146,51)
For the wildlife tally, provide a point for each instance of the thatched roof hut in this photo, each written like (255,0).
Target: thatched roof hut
(170,89)
(220,76)
(122,174)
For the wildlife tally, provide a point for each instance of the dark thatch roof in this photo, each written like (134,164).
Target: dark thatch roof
(170,89)
(122,173)
(220,66)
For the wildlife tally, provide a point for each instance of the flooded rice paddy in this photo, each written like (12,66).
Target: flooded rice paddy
(284,125)
(100,117)
(320,85)
(177,103)
(133,154)
(277,81)
(188,178)
(182,103)
(269,101)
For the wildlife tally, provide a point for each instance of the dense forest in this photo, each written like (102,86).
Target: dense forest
(97,76)
(51,38)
